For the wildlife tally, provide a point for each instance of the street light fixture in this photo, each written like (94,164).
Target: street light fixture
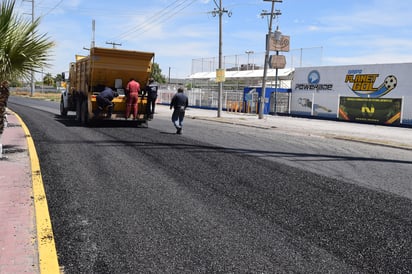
(249,52)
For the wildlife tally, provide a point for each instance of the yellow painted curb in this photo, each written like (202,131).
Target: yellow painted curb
(48,261)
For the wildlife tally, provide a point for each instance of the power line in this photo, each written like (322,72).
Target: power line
(159,19)
(161,16)
(52,9)
(158,14)
(172,15)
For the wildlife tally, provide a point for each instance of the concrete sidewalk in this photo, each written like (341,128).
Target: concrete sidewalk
(26,236)
(18,245)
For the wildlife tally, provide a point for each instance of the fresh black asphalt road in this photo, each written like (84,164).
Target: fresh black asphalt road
(219,199)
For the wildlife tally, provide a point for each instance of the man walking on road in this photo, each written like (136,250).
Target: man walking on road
(179,103)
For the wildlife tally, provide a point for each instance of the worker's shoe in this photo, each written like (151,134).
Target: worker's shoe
(179,131)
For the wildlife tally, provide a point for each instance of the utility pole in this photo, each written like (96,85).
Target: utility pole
(277,37)
(92,44)
(113,44)
(32,84)
(271,15)
(220,70)
(32,89)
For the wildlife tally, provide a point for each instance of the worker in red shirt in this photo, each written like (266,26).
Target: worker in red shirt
(132,89)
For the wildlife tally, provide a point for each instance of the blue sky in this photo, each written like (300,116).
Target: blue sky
(322,32)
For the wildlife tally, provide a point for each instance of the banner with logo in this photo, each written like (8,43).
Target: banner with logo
(369,93)
(370,110)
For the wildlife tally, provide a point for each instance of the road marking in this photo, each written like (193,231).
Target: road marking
(48,262)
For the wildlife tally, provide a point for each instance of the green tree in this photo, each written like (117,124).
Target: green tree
(58,78)
(157,74)
(48,79)
(23,49)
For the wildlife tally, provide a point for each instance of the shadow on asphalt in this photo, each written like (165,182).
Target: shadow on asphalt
(70,121)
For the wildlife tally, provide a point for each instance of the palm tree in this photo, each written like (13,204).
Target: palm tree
(22,49)
(48,79)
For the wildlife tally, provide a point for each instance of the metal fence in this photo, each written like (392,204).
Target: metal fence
(250,60)
(204,98)
(232,101)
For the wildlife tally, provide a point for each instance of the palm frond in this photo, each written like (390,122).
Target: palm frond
(23,49)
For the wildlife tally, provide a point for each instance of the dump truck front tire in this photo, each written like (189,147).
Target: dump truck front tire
(63,110)
(84,116)
(78,109)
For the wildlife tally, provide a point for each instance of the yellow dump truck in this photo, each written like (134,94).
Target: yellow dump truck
(89,75)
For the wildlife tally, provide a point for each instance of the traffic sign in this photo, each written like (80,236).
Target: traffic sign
(277,61)
(279,45)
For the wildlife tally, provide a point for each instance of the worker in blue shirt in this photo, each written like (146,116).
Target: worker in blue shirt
(151,91)
(104,100)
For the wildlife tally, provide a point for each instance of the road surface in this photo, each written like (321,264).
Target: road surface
(220,198)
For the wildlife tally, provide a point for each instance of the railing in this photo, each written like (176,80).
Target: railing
(231,100)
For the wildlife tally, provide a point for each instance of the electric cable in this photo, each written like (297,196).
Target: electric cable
(162,16)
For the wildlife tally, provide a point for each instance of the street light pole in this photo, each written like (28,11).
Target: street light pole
(265,65)
(248,52)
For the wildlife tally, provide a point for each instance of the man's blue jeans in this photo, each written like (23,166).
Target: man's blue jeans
(177,117)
